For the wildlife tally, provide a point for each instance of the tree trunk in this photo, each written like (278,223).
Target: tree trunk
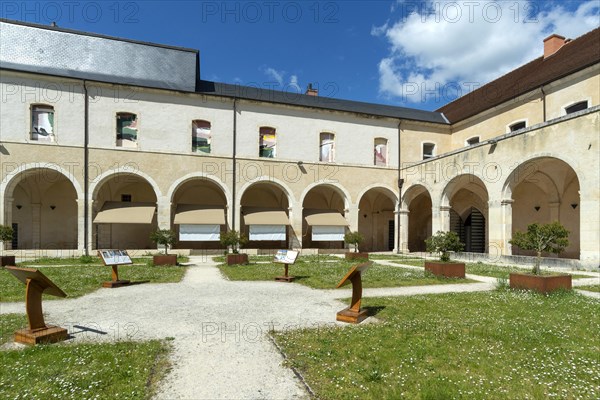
(538,260)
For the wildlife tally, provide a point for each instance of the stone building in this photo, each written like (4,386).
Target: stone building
(104,140)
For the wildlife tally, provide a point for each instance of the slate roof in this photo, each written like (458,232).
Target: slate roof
(574,56)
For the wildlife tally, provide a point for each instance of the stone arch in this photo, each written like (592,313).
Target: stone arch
(466,197)
(544,189)
(417,201)
(376,219)
(325,197)
(116,186)
(335,186)
(41,203)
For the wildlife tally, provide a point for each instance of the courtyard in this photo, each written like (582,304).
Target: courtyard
(211,331)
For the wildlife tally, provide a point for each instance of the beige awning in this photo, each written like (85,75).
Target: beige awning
(119,212)
(265,216)
(324,218)
(196,214)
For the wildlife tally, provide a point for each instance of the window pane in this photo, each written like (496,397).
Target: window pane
(428,149)
(380,152)
(473,141)
(582,105)
(518,126)
(326,147)
(42,123)
(267,142)
(127,130)
(201,136)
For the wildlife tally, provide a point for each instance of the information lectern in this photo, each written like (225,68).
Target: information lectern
(287,258)
(36,284)
(354,314)
(114,258)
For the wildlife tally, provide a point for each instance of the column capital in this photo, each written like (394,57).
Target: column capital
(507,202)
(445,208)
(402,212)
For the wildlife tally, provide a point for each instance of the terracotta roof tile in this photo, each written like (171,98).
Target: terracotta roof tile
(572,57)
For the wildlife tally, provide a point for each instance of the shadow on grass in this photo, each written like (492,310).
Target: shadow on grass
(373,310)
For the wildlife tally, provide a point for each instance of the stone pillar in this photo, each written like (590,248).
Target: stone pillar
(554,211)
(443,220)
(163,217)
(36,225)
(351,215)
(91,227)
(507,206)
(495,228)
(295,229)
(8,202)
(402,221)
(80,225)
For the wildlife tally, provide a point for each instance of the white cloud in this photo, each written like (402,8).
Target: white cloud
(467,43)
(274,74)
(294,83)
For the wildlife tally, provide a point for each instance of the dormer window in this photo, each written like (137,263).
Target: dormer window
(472,141)
(580,106)
(517,126)
(428,150)
(42,123)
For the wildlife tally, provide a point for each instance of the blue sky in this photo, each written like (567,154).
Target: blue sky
(419,54)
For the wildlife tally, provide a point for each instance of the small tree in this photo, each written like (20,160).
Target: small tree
(233,240)
(354,239)
(549,238)
(6,233)
(165,237)
(444,242)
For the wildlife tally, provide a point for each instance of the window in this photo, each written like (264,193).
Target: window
(267,142)
(473,140)
(127,130)
(326,150)
(580,106)
(126,198)
(428,150)
(518,126)
(201,136)
(42,123)
(380,152)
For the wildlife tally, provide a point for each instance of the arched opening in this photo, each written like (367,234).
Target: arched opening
(265,216)
(198,214)
(43,213)
(323,221)
(418,201)
(124,213)
(468,199)
(544,190)
(376,220)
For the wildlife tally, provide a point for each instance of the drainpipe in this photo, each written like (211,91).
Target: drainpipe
(86,136)
(400,184)
(233,200)
(543,101)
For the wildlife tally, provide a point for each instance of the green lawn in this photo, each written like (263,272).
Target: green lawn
(394,257)
(326,275)
(85,260)
(590,288)
(77,280)
(495,345)
(265,258)
(494,271)
(124,370)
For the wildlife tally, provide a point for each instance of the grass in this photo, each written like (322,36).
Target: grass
(264,258)
(481,269)
(78,280)
(326,275)
(499,345)
(394,257)
(124,370)
(589,288)
(83,260)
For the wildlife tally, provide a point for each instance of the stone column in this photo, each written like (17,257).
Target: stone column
(351,215)
(295,229)
(443,220)
(163,217)
(8,202)
(402,220)
(36,227)
(507,205)
(554,211)
(80,225)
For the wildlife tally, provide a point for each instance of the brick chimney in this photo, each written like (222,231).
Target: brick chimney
(552,44)
(311,91)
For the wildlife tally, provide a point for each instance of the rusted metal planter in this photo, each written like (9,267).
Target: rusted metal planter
(540,283)
(446,269)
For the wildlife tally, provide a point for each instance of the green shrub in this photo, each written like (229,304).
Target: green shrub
(443,243)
